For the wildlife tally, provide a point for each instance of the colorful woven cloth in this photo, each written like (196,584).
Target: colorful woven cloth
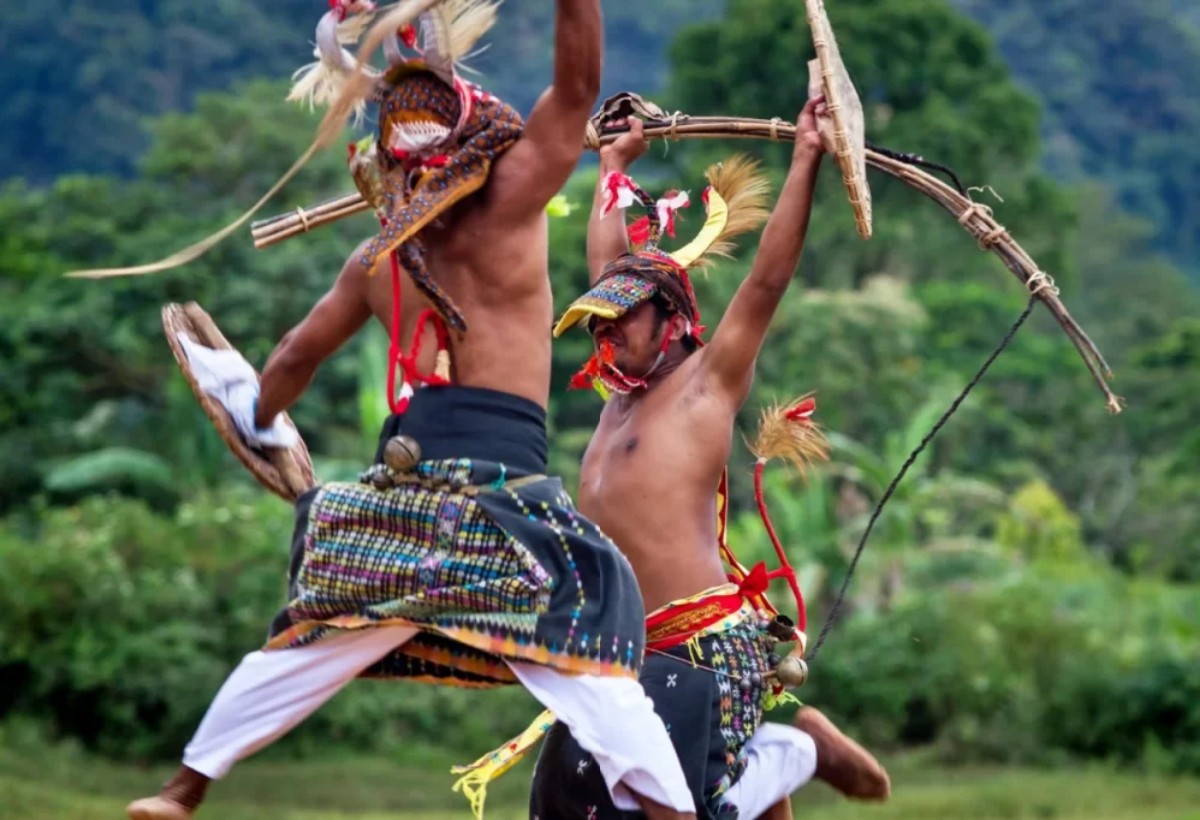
(490,562)
(628,281)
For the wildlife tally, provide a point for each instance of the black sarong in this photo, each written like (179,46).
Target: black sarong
(709,714)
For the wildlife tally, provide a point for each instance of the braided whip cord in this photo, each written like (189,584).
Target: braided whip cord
(837,604)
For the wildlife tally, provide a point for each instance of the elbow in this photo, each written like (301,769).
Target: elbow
(579,50)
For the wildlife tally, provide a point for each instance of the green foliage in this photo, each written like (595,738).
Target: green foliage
(121,624)
(1038,526)
(111,468)
(930,79)
(86,76)
(117,623)
(1113,78)
(1010,665)
(1147,713)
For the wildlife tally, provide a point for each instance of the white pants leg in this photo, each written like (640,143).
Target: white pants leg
(616,723)
(779,760)
(272,692)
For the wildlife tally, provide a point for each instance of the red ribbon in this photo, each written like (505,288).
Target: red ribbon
(408,35)
(639,231)
(407,363)
(802,412)
(412,161)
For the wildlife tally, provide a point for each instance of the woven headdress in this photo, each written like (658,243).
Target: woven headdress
(438,134)
(735,203)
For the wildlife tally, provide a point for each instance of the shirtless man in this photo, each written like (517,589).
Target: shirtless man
(449,561)
(649,478)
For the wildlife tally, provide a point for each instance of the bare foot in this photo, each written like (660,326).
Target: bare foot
(841,762)
(177,801)
(157,808)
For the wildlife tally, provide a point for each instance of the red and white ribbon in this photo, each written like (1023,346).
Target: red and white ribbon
(667,208)
(619,192)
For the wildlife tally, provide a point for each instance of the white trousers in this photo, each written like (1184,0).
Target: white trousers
(780,759)
(269,693)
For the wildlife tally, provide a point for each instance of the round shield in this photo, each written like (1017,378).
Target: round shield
(287,472)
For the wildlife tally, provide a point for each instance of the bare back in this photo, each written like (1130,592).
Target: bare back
(489,252)
(649,481)
(498,275)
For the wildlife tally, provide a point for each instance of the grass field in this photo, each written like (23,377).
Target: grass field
(44,783)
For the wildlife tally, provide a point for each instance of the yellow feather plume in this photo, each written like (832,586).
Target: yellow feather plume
(472,20)
(743,191)
(787,431)
(746,192)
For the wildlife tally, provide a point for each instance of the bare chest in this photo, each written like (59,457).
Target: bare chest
(659,442)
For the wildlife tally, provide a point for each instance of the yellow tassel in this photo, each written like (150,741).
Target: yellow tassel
(473,785)
(476,776)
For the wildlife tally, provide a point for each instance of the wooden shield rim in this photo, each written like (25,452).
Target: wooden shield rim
(287,472)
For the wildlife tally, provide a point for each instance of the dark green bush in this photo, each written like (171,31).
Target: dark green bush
(1026,665)
(120,625)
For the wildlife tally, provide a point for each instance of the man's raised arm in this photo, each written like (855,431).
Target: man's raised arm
(607,238)
(729,360)
(530,173)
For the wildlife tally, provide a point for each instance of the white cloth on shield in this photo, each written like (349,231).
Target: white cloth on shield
(230,379)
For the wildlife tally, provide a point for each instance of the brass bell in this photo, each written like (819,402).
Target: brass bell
(381,480)
(401,453)
(792,671)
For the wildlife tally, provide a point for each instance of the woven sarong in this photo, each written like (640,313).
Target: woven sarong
(703,648)
(490,561)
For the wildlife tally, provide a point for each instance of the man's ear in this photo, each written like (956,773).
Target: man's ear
(678,327)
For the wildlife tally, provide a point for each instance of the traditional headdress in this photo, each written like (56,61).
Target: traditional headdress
(438,134)
(735,203)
